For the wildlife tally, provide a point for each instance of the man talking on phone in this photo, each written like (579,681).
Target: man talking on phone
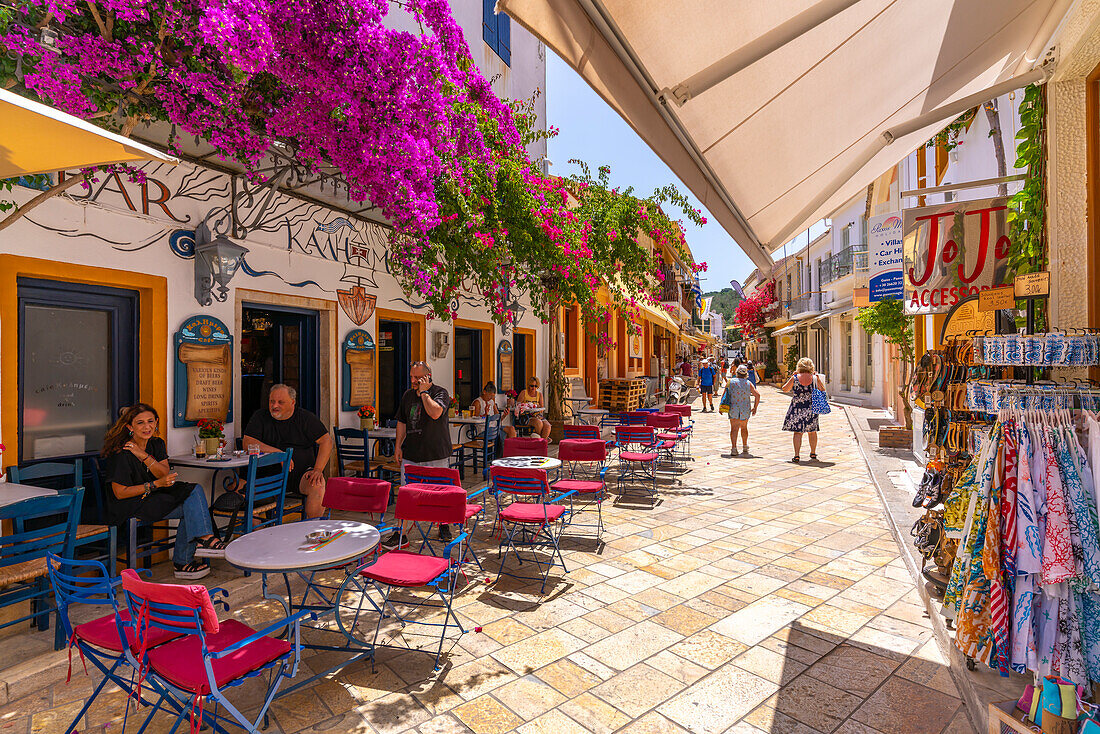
(423,431)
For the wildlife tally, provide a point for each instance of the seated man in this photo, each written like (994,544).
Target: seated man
(286,426)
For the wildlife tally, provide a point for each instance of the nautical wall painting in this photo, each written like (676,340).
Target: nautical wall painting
(203,372)
(357,369)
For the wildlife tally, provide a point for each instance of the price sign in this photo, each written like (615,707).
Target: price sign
(1032,285)
(995,299)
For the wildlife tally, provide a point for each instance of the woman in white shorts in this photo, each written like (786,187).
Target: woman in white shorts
(736,396)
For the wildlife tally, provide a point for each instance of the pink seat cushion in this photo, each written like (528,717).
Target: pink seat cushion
(432,475)
(402,568)
(472,510)
(193,596)
(531,512)
(431,503)
(669,436)
(635,456)
(582,449)
(180,661)
(666,445)
(357,494)
(103,633)
(580,486)
(525,447)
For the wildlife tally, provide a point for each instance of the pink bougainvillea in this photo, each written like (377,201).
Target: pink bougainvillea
(750,313)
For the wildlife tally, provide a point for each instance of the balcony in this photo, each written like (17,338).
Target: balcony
(850,260)
(807,303)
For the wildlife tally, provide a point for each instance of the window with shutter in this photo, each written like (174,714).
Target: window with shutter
(496,29)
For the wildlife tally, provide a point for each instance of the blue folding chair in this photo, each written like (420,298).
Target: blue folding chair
(39,525)
(637,456)
(265,495)
(448,476)
(67,476)
(482,449)
(531,520)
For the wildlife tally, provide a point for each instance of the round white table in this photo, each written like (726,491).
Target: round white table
(594,414)
(547,463)
(285,548)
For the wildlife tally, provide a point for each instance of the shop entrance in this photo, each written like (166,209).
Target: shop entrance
(521,346)
(278,345)
(394,359)
(468,377)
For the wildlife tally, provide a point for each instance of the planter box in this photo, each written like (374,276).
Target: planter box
(895,437)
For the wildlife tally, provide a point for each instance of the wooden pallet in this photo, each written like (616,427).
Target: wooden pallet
(618,396)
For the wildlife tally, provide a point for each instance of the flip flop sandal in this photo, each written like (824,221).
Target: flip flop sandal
(210,548)
(796,460)
(813,457)
(193,571)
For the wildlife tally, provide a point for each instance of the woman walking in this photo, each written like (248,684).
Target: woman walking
(801,417)
(736,396)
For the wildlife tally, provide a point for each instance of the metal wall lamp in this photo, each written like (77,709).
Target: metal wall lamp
(216,261)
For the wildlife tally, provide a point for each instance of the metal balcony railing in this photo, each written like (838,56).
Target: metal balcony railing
(806,303)
(850,260)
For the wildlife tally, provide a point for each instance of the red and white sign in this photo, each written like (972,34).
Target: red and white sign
(952,251)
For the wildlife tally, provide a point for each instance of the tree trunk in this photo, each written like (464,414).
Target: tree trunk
(994,119)
(41,198)
(555,381)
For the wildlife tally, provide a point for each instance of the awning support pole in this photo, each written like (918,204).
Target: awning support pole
(755,50)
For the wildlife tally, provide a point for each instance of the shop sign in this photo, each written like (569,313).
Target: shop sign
(358,369)
(884,250)
(997,299)
(203,372)
(861,297)
(504,366)
(951,251)
(635,346)
(965,318)
(1032,285)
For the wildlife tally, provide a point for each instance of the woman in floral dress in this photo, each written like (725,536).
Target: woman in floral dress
(801,417)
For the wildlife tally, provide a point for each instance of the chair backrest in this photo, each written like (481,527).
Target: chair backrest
(432,475)
(442,503)
(634,435)
(582,449)
(581,431)
(182,608)
(80,582)
(356,494)
(523,482)
(664,420)
(352,444)
(491,431)
(264,489)
(40,525)
(681,409)
(576,389)
(633,418)
(50,474)
(529,446)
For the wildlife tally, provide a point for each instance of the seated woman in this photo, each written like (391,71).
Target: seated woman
(525,416)
(143,486)
(487,405)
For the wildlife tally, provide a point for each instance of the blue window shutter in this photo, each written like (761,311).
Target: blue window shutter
(489,23)
(504,38)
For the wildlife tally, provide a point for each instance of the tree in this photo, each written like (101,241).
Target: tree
(888,319)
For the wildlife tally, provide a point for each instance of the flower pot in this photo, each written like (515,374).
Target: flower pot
(451,412)
(367,424)
(212,445)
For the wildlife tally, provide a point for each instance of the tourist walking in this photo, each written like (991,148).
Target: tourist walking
(143,486)
(801,417)
(736,396)
(423,432)
(707,374)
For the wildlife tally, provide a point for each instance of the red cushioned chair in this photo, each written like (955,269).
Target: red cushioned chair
(530,518)
(448,476)
(583,430)
(585,460)
(670,442)
(416,503)
(208,656)
(687,423)
(530,446)
(637,455)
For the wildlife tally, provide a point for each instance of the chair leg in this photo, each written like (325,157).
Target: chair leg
(112,550)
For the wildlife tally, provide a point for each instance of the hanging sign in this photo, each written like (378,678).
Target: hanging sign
(965,318)
(357,368)
(861,297)
(951,251)
(884,252)
(996,299)
(635,346)
(1032,285)
(203,372)
(504,366)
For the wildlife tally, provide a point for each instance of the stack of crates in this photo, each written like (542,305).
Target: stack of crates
(620,396)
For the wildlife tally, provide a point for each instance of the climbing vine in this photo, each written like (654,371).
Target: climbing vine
(948,138)
(1027,208)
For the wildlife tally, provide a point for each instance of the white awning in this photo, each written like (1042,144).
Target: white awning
(774,114)
(789,329)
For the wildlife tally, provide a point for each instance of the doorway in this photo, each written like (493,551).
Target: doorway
(279,344)
(468,377)
(394,359)
(521,345)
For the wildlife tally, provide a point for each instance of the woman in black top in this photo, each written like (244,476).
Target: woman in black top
(143,486)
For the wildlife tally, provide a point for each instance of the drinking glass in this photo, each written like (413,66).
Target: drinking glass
(200,448)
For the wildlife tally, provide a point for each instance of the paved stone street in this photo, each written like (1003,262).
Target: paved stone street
(757,595)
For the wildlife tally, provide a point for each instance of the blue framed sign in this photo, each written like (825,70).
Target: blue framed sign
(505,367)
(357,368)
(203,372)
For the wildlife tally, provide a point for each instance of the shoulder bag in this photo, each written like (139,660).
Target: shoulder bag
(819,401)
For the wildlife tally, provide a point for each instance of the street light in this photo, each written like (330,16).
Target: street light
(216,261)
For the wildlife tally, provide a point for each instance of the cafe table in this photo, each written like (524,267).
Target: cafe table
(546,463)
(287,551)
(10,493)
(470,424)
(215,465)
(595,415)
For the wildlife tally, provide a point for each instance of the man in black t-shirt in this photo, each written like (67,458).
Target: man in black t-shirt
(286,426)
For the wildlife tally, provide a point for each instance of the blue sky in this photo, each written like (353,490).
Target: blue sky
(594,133)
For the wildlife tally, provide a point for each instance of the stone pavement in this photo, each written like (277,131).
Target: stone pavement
(756,595)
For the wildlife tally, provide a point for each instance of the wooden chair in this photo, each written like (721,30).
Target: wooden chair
(481,449)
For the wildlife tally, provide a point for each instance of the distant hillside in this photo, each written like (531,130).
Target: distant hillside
(725,302)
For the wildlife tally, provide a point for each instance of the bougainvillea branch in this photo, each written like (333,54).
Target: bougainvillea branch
(751,312)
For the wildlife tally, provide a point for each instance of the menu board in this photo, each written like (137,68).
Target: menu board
(204,372)
(358,369)
(505,370)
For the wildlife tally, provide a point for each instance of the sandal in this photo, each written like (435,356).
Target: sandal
(193,571)
(210,548)
(796,459)
(813,457)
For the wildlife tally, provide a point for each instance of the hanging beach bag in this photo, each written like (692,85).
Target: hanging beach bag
(819,401)
(724,406)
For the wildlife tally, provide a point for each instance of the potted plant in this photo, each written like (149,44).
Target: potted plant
(367,415)
(212,431)
(453,410)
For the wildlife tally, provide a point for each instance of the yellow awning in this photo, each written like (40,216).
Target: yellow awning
(694,341)
(35,138)
(660,317)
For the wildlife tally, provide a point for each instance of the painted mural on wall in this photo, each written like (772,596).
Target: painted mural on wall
(204,372)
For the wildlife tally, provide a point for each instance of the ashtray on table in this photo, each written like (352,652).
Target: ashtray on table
(318,536)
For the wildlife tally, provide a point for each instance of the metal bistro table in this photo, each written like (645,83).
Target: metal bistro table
(595,415)
(548,463)
(10,493)
(469,424)
(286,551)
(228,464)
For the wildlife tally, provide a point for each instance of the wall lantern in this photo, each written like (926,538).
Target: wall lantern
(216,261)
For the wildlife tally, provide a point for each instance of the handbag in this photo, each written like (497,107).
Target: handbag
(724,405)
(819,401)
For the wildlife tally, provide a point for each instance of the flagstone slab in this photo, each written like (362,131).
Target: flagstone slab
(709,706)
